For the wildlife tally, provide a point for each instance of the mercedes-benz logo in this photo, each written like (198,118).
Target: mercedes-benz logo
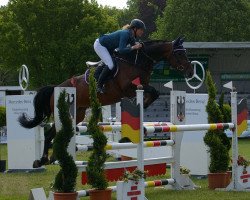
(195,76)
(24,77)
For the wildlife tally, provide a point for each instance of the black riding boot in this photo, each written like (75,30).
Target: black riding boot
(101,79)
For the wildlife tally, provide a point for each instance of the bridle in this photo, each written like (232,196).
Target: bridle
(180,67)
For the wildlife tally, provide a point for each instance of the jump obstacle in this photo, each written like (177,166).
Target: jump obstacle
(180,180)
(235,184)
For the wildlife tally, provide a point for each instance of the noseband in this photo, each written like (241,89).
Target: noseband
(180,67)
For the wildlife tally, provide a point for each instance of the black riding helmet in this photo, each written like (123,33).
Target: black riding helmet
(137,23)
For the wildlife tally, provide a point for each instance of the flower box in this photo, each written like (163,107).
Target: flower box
(244,176)
(130,189)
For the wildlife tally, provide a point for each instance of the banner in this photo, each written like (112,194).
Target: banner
(130,119)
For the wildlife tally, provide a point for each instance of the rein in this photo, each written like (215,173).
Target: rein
(136,57)
(149,57)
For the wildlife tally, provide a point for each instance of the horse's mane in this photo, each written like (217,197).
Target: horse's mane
(151,45)
(148,46)
(153,42)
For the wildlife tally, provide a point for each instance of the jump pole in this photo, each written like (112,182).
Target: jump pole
(123,190)
(235,184)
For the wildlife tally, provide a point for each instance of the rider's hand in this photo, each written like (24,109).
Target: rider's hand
(136,46)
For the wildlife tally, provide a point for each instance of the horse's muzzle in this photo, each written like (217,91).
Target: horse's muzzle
(189,73)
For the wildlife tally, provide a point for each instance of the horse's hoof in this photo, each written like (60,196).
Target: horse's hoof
(37,164)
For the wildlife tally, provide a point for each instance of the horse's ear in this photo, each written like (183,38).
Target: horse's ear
(177,42)
(182,40)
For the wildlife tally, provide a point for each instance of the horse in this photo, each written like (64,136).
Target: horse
(129,67)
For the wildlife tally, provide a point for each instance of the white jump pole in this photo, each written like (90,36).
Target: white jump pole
(140,148)
(235,183)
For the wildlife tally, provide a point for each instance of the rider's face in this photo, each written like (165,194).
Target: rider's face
(139,32)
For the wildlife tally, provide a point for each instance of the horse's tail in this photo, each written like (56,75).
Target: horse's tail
(41,106)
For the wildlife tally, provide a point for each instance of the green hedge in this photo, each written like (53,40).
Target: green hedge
(2,116)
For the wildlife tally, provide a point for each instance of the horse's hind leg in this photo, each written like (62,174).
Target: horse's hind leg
(80,114)
(49,135)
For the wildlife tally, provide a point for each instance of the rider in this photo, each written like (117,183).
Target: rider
(122,41)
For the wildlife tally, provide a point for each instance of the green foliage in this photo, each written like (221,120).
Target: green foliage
(65,180)
(10,49)
(225,109)
(51,37)
(147,11)
(200,20)
(226,113)
(2,116)
(135,175)
(95,168)
(217,141)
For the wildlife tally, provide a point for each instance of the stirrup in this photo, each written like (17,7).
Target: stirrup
(90,64)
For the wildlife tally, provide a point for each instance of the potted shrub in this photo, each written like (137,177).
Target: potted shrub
(225,109)
(217,141)
(65,180)
(184,170)
(185,178)
(2,125)
(95,169)
(243,163)
(135,175)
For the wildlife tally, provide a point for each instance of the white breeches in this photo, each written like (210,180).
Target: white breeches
(103,53)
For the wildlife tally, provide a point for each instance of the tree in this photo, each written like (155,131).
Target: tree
(10,49)
(54,38)
(217,141)
(200,20)
(147,11)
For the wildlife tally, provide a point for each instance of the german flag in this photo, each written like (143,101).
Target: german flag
(130,120)
(242,117)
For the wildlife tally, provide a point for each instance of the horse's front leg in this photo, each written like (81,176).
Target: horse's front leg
(49,136)
(150,95)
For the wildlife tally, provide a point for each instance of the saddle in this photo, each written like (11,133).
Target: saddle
(98,69)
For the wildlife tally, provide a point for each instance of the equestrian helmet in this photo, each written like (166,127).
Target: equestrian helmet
(137,23)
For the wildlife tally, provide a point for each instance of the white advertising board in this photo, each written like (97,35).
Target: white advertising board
(2,98)
(24,145)
(194,153)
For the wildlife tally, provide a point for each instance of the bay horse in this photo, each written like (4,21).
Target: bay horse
(130,66)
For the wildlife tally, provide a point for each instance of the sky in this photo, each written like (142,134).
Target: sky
(112,3)
(3,2)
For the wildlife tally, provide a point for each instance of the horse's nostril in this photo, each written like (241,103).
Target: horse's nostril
(189,74)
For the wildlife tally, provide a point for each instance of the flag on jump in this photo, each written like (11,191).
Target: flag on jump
(242,116)
(130,120)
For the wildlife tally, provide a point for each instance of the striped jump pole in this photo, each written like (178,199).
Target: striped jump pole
(115,146)
(191,127)
(147,184)
(119,123)
(166,128)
